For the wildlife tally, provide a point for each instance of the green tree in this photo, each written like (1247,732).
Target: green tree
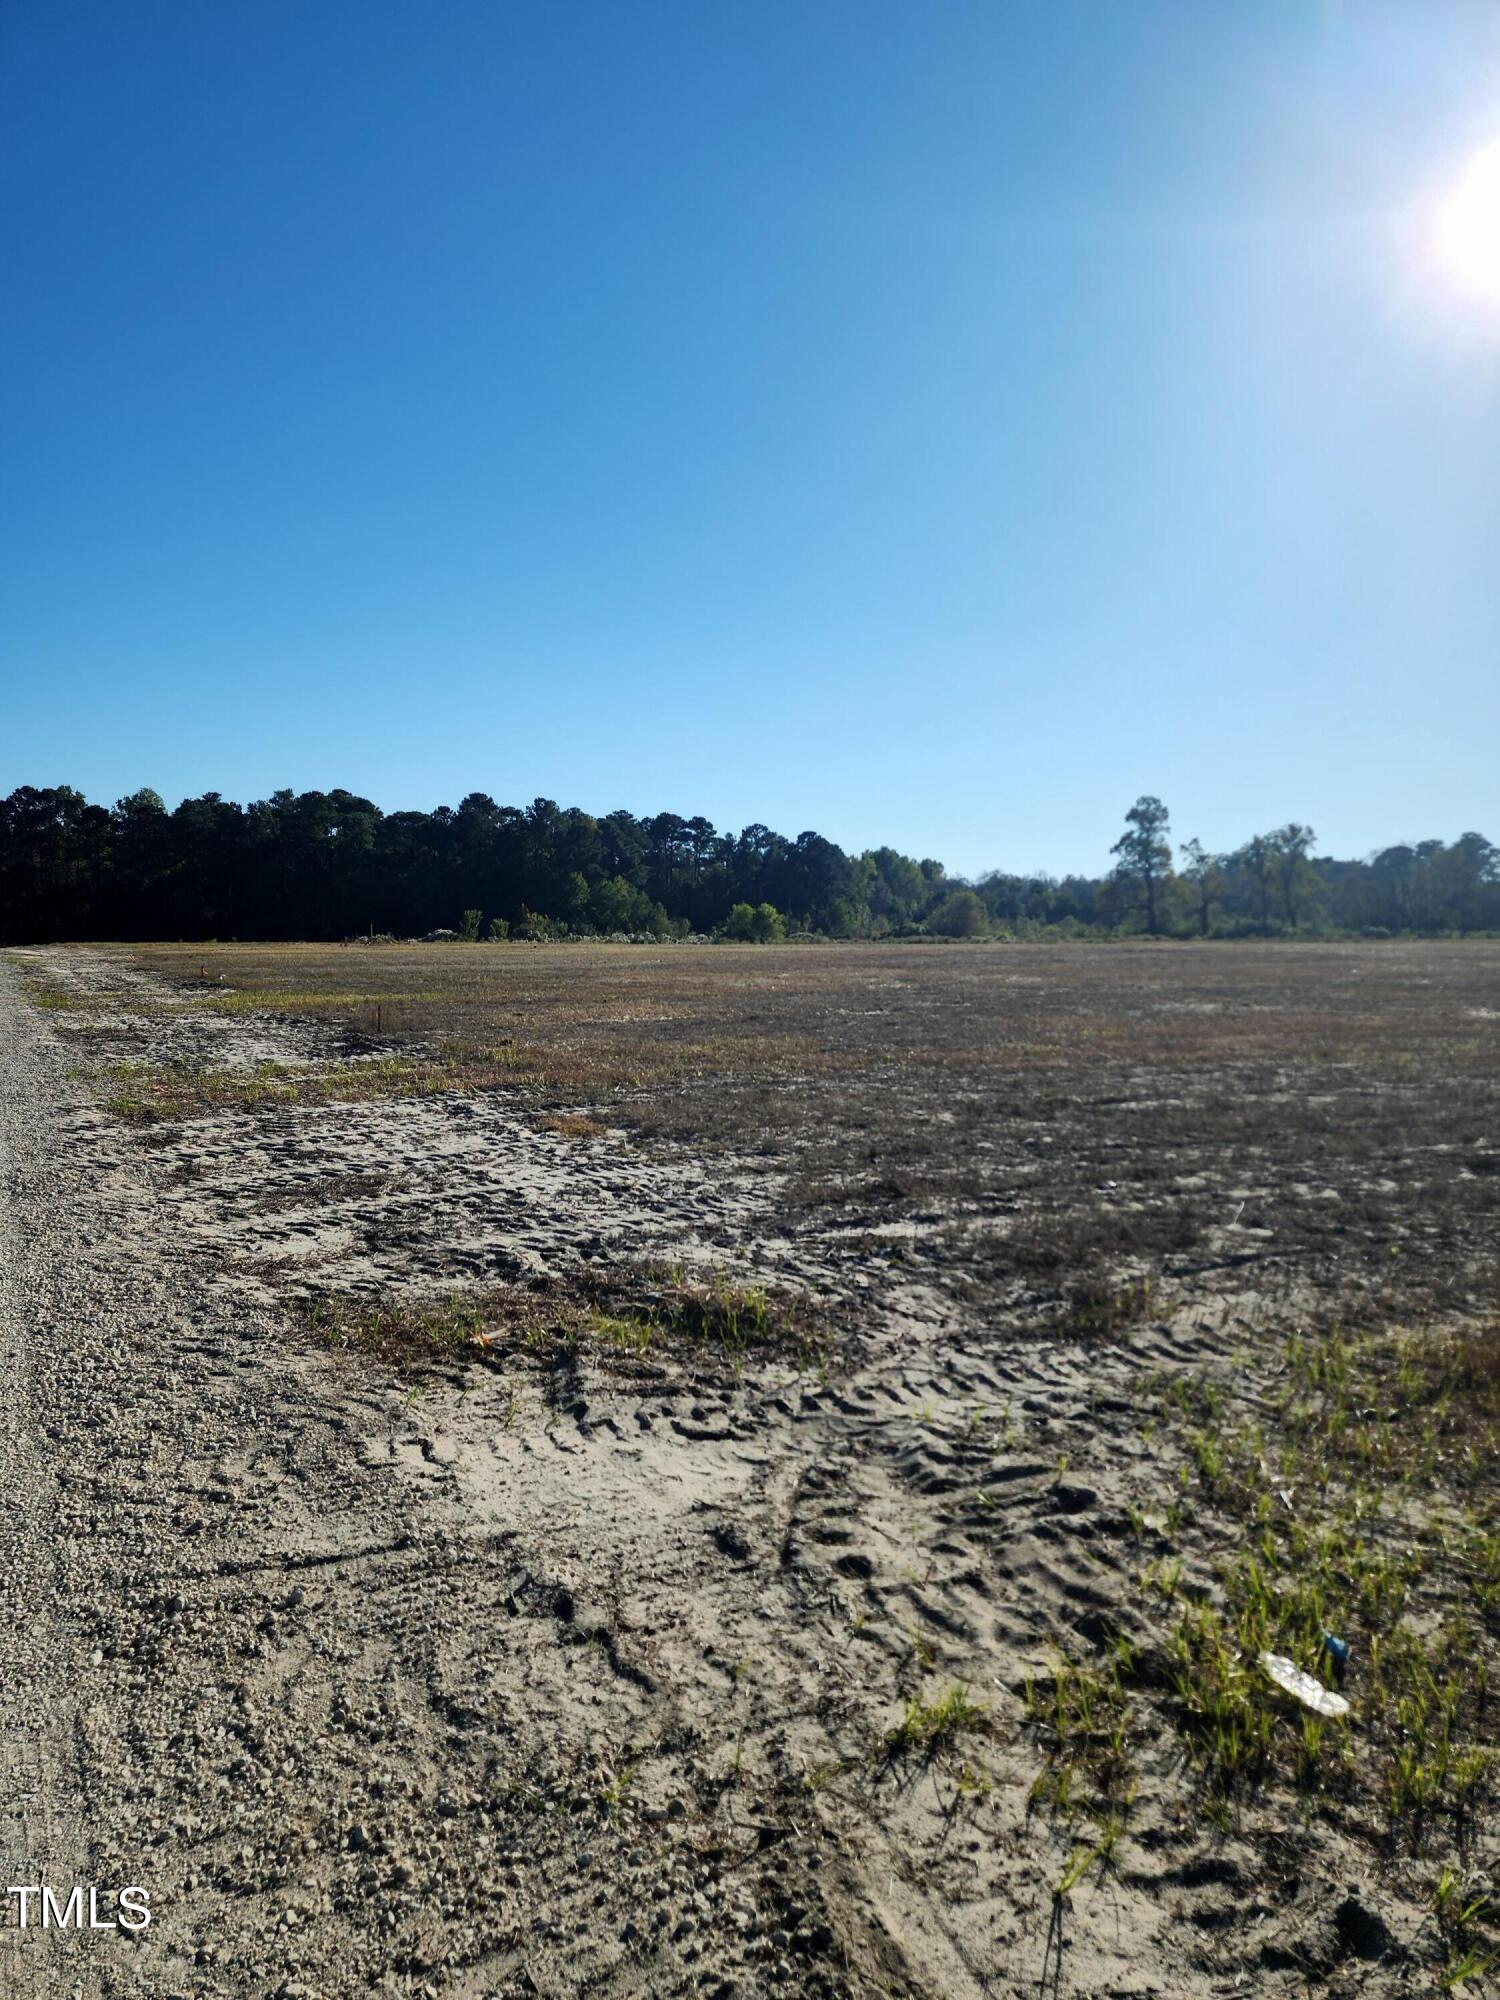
(468,929)
(617,905)
(573,896)
(1145,861)
(1289,845)
(960,915)
(1258,857)
(757,923)
(1202,869)
(1470,873)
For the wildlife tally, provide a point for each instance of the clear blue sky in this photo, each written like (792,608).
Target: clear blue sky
(933,422)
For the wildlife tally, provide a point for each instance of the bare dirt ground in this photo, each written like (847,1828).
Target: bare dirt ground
(731,1473)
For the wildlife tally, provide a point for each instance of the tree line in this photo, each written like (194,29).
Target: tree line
(331,864)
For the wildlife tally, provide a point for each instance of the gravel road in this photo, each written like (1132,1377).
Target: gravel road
(191,1531)
(41,1660)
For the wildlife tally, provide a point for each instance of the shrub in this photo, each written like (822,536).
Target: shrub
(617,905)
(762,924)
(960,914)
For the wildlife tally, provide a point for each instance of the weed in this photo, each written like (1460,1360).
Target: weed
(1096,1308)
(929,1726)
(626,1316)
(1099,1853)
(402,1329)
(821,1776)
(613,1794)
(1083,1718)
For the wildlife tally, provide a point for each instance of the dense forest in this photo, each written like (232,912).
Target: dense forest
(332,865)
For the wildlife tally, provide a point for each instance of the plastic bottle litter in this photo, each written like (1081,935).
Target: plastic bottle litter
(1338,1652)
(1302,1687)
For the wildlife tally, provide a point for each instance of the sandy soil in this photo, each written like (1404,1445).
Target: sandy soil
(447,1685)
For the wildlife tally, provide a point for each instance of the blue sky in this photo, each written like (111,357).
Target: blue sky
(934,423)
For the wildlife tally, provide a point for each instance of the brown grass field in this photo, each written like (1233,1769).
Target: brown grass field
(1064,1111)
(958,1366)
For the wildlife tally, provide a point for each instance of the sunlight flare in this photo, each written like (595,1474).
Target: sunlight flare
(1466,229)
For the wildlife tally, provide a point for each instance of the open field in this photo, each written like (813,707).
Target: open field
(1017,1121)
(812,1444)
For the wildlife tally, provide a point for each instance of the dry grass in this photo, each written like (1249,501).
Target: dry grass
(637,1323)
(572,1125)
(145,1093)
(1060,1122)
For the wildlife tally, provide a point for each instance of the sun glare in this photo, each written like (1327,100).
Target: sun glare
(1466,233)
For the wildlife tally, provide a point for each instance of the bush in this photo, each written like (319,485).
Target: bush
(959,915)
(468,929)
(617,905)
(499,930)
(763,924)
